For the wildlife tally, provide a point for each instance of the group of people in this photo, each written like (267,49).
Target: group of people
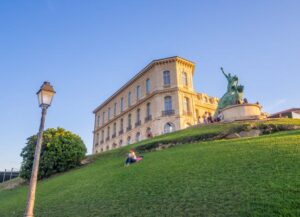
(209,119)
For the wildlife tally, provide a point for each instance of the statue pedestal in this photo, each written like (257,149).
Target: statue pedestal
(241,112)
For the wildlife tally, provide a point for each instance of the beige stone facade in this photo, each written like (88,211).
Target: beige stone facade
(159,99)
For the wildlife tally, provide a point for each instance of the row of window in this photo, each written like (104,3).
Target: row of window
(166,82)
(168,128)
(167,111)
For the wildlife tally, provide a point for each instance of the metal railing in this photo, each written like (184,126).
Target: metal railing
(7,175)
(129,128)
(148,118)
(168,112)
(138,123)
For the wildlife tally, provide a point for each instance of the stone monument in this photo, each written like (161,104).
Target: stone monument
(232,106)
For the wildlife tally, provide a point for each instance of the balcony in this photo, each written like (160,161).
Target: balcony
(113,135)
(121,132)
(167,85)
(138,123)
(187,113)
(149,118)
(168,112)
(129,128)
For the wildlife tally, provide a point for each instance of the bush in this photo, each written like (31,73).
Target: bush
(61,150)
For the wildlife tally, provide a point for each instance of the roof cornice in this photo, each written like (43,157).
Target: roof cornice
(142,72)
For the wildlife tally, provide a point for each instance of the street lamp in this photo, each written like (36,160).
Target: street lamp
(45,96)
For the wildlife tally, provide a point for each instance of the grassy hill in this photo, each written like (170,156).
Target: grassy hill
(240,177)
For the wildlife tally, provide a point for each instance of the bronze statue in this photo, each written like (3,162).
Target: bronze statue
(234,94)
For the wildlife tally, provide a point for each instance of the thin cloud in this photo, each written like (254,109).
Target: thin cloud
(277,104)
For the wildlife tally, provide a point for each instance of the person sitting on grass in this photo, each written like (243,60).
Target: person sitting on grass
(132,158)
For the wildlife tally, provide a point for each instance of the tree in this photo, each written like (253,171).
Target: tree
(61,151)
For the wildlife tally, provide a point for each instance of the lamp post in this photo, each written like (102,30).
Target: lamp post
(45,96)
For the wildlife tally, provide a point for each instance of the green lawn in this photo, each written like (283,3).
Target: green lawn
(241,177)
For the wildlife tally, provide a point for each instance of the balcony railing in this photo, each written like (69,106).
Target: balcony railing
(113,135)
(168,112)
(121,132)
(187,113)
(129,128)
(138,123)
(148,118)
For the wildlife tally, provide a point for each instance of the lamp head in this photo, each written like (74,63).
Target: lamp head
(45,95)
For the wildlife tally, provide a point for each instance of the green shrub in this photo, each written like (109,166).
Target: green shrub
(61,150)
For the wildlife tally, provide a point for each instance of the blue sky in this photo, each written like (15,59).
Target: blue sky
(88,49)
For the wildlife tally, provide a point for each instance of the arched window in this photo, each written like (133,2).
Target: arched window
(128,140)
(168,103)
(129,99)
(184,79)
(120,143)
(186,105)
(122,105)
(137,137)
(148,111)
(149,133)
(98,120)
(167,78)
(121,125)
(129,126)
(108,114)
(138,117)
(114,145)
(102,136)
(115,129)
(169,127)
(138,93)
(115,109)
(108,133)
(148,86)
(97,139)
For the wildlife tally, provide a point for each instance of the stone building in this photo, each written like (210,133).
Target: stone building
(159,99)
(289,113)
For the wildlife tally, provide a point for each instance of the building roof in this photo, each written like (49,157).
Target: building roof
(142,72)
(297,110)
